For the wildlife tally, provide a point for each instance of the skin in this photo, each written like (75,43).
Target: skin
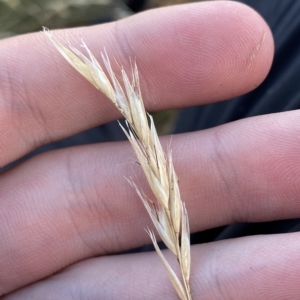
(65,214)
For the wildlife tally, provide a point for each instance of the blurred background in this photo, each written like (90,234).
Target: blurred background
(22,16)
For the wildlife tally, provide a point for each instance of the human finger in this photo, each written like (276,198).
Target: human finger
(257,267)
(76,203)
(186,55)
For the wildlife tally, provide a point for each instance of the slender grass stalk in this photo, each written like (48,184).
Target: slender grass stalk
(169,215)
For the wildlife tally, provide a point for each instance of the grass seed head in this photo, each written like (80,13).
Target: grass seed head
(170,216)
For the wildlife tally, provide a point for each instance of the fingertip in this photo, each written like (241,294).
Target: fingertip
(198,53)
(253,43)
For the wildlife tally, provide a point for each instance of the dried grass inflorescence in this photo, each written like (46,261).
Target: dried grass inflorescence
(169,215)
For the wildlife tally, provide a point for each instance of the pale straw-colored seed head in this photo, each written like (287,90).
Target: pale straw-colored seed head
(169,216)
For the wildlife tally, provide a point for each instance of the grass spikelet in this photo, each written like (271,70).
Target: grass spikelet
(169,215)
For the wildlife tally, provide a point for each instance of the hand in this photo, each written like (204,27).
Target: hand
(65,211)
